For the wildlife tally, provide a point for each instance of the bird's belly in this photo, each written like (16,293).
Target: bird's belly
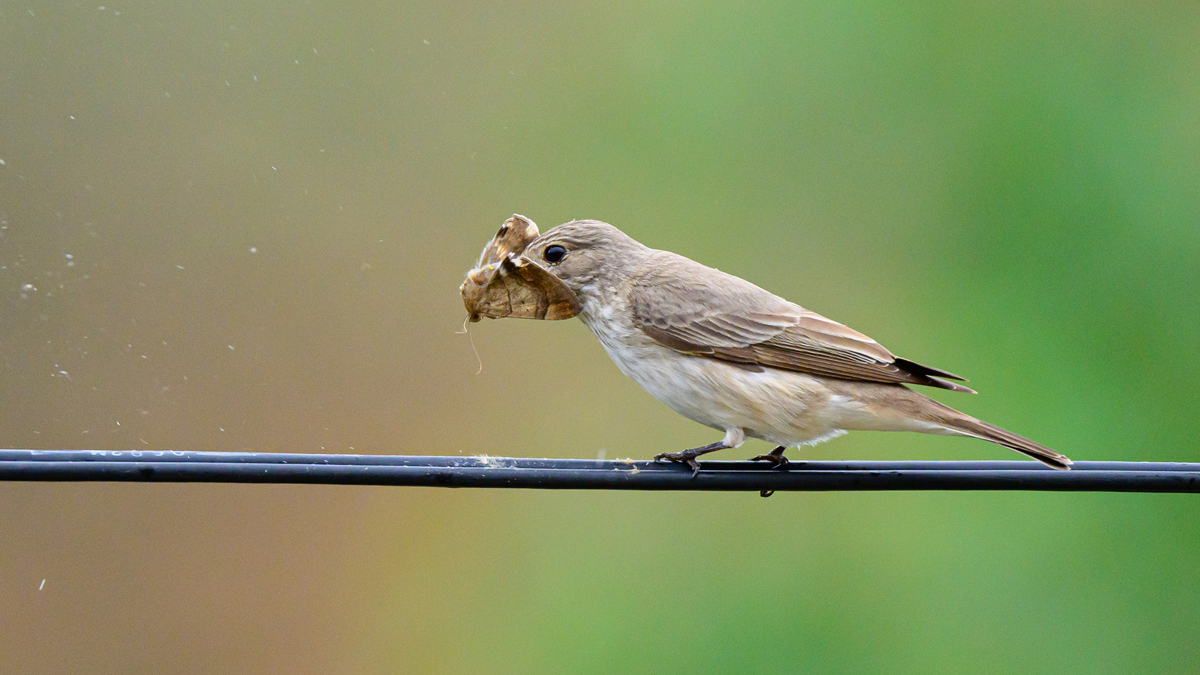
(781,407)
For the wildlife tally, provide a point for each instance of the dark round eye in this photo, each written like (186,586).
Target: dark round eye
(554,253)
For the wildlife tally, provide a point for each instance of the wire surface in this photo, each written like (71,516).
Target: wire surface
(145,466)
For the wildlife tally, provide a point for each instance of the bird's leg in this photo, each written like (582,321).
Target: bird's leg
(775,457)
(733,438)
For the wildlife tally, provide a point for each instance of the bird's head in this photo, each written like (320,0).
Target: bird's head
(522,274)
(587,256)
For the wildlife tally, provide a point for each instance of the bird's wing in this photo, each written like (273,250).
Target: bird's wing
(698,310)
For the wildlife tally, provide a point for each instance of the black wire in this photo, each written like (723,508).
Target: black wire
(585,474)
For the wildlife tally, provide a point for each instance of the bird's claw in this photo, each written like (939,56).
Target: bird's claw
(684,457)
(776,461)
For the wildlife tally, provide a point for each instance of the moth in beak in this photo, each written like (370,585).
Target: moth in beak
(504,283)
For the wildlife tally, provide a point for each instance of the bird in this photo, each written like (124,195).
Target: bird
(735,357)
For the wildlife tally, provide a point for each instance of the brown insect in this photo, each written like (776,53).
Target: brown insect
(505,283)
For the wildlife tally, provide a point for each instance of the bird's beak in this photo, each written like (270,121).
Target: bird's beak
(507,284)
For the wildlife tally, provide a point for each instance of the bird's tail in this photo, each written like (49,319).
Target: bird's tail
(969,426)
(898,408)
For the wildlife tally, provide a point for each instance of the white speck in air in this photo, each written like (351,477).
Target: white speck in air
(230,347)
(179,267)
(43,585)
(425,41)
(254,249)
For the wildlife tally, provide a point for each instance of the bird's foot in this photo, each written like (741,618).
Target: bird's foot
(688,457)
(684,457)
(775,458)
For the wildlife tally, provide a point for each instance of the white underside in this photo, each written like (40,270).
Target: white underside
(777,406)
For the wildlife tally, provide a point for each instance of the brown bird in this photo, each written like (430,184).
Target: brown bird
(721,351)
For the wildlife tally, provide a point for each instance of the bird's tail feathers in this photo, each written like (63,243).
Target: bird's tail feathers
(969,426)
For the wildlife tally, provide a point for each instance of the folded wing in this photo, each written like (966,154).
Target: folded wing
(698,310)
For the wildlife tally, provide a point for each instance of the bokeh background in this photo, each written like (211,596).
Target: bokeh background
(241,226)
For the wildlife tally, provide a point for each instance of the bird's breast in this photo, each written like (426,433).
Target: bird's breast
(782,407)
(625,344)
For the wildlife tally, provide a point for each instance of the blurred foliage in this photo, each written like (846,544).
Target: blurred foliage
(241,226)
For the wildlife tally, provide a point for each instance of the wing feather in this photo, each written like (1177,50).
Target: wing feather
(675,304)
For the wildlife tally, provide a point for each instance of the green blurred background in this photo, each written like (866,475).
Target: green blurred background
(242,225)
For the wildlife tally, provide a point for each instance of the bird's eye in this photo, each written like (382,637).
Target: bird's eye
(554,254)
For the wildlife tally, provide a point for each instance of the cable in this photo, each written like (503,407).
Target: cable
(145,466)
